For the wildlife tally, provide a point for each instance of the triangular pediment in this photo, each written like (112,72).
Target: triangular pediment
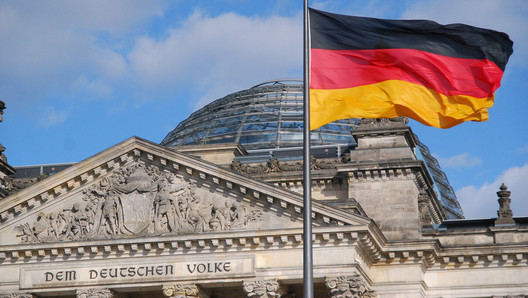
(141,189)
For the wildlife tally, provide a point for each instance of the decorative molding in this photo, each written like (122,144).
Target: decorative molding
(349,286)
(174,245)
(371,247)
(273,165)
(363,175)
(183,290)
(97,293)
(18,295)
(260,288)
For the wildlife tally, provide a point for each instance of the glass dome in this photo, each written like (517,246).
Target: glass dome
(268,115)
(267,119)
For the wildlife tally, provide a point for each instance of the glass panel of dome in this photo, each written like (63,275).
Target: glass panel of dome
(270,109)
(291,126)
(329,137)
(272,126)
(315,137)
(223,130)
(227,139)
(332,127)
(190,140)
(292,109)
(230,120)
(291,137)
(260,138)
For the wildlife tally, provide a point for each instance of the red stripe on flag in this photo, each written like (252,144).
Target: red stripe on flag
(338,69)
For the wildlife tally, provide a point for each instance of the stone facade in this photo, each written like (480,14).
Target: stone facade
(143,220)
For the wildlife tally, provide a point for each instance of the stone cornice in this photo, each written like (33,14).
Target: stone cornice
(375,131)
(222,242)
(431,254)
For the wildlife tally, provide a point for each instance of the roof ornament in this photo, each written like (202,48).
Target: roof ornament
(505,214)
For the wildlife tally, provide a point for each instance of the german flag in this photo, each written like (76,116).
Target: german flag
(439,75)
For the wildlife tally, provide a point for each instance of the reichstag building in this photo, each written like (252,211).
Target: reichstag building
(216,210)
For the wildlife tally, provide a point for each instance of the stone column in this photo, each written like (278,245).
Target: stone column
(352,286)
(260,288)
(97,293)
(182,290)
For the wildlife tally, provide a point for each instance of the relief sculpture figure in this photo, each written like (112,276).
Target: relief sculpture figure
(164,210)
(110,209)
(136,200)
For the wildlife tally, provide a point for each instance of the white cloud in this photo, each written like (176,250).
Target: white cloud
(463,160)
(220,54)
(48,46)
(481,201)
(506,16)
(51,116)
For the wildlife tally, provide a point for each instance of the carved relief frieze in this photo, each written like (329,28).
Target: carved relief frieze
(273,165)
(351,286)
(139,200)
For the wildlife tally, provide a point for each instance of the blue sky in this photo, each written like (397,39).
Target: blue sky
(81,76)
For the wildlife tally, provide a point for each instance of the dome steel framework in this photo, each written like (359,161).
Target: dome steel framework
(268,115)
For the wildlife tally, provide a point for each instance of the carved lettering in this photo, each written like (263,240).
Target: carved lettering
(60,276)
(124,274)
(139,273)
(93,274)
(132,271)
(189,268)
(119,272)
(210,267)
(200,268)
(113,272)
(150,269)
(49,276)
(71,275)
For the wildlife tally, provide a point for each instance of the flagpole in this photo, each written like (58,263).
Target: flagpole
(308,289)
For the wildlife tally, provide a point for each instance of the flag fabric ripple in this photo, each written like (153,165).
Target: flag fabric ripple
(439,75)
